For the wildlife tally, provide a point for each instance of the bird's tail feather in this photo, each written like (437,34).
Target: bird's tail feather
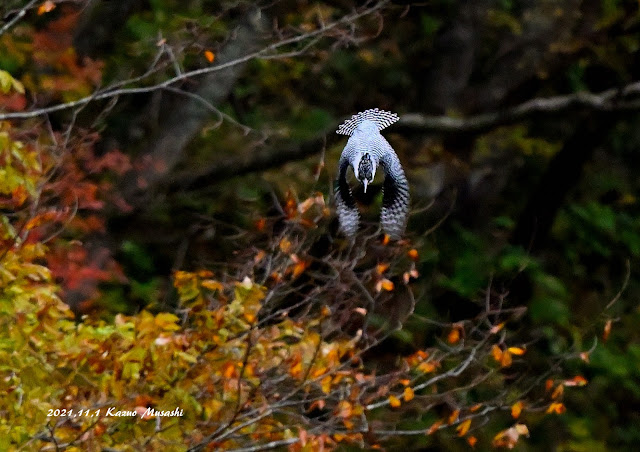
(382,119)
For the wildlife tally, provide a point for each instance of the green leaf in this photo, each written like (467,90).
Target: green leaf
(7,82)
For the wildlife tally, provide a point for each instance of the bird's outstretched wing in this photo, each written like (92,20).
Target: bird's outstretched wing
(348,215)
(395,198)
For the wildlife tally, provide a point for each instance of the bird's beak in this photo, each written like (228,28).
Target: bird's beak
(365,182)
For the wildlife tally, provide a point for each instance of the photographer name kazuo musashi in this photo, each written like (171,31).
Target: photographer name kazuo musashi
(149,412)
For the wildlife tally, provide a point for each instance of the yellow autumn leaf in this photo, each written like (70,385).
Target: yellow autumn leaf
(557,392)
(516,409)
(325,384)
(505,360)
(556,407)
(167,321)
(427,367)
(212,284)
(394,401)
(516,351)
(463,428)
(408,394)
(46,7)
(209,55)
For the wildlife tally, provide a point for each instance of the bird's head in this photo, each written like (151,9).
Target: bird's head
(365,168)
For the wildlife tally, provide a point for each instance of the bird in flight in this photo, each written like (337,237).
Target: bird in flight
(365,150)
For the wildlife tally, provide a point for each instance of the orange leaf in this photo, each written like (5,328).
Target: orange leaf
(385,239)
(578,380)
(260,224)
(299,268)
(557,392)
(408,394)
(463,428)
(556,407)
(472,440)
(285,245)
(548,385)
(516,409)
(506,360)
(475,407)
(607,330)
(413,254)
(494,329)
(496,352)
(345,409)
(228,370)
(434,427)
(46,7)
(296,370)
(381,268)
(319,404)
(427,367)
(99,429)
(394,401)
(454,417)
(387,285)
(209,55)
(454,335)
(259,256)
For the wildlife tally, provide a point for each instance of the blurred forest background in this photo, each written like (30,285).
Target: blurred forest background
(141,138)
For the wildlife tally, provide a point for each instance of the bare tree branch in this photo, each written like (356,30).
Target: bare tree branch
(270,51)
(612,100)
(18,16)
(607,101)
(267,446)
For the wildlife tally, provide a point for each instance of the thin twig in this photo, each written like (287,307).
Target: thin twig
(19,15)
